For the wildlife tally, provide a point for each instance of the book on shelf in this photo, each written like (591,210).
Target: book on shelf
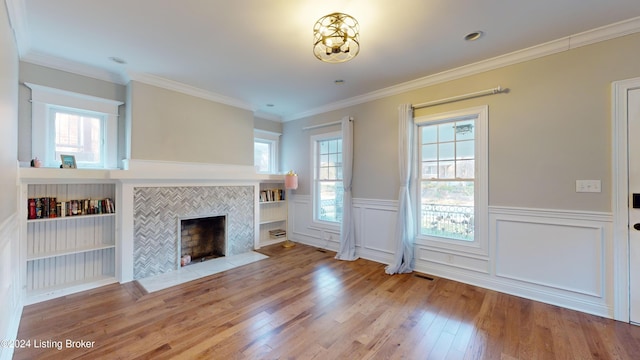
(271,195)
(277,233)
(50,207)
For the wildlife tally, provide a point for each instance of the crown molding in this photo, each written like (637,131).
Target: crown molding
(188,90)
(589,37)
(73,67)
(18,19)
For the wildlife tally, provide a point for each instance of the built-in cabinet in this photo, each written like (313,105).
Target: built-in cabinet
(67,251)
(273,212)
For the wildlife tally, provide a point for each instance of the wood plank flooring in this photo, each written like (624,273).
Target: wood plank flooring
(301,303)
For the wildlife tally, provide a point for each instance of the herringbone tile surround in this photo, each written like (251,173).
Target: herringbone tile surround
(157,211)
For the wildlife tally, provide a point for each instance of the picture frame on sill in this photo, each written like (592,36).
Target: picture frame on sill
(68,161)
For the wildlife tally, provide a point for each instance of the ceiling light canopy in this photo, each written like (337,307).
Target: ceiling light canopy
(336,38)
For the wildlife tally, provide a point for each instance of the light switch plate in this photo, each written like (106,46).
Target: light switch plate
(593,186)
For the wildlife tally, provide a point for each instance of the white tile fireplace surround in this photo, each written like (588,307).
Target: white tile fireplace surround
(157,215)
(153,197)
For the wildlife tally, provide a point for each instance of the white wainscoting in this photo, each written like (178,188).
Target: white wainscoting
(374,222)
(558,257)
(10,291)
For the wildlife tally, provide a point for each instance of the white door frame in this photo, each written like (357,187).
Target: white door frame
(620,199)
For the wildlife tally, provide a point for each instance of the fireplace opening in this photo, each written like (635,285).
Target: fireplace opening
(202,238)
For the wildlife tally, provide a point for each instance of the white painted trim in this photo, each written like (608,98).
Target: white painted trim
(537,293)
(480,245)
(598,304)
(273,139)
(266,134)
(603,33)
(476,269)
(44,98)
(70,66)
(620,196)
(17,11)
(553,213)
(189,90)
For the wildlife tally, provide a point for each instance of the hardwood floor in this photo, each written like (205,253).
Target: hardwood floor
(301,303)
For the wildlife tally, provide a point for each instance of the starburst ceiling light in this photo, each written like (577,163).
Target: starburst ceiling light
(336,38)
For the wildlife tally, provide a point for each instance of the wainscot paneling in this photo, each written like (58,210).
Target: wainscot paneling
(445,258)
(375,222)
(10,291)
(558,257)
(565,257)
(374,225)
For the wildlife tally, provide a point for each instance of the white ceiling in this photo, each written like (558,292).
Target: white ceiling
(258,52)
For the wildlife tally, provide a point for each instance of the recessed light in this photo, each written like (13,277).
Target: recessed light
(270,105)
(118,60)
(338,82)
(473,36)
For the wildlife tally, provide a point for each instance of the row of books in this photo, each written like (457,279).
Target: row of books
(271,195)
(49,207)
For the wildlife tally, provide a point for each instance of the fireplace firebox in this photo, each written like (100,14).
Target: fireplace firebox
(202,238)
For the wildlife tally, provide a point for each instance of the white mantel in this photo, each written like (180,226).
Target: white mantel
(149,171)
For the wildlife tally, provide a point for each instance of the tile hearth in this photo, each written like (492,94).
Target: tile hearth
(199,270)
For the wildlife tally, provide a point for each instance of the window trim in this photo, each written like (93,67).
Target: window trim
(44,98)
(272,138)
(330,225)
(479,245)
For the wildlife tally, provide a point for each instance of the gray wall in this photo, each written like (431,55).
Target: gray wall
(267,125)
(551,129)
(171,126)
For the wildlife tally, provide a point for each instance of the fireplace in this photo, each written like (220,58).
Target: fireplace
(156,222)
(202,238)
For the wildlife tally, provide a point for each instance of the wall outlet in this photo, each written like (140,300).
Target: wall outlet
(593,186)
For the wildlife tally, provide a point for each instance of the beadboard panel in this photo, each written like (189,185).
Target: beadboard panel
(71,234)
(67,254)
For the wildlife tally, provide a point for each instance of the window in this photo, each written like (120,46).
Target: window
(327,187)
(265,151)
(68,123)
(452,184)
(80,134)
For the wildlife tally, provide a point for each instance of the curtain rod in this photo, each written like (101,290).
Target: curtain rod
(496,90)
(325,124)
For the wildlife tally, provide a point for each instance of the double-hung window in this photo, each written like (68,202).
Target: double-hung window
(327,179)
(452,186)
(67,123)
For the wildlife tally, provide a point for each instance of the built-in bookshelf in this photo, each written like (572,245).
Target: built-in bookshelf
(273,213)
(69,238)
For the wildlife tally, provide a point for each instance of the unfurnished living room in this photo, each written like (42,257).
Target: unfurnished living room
(282,179)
